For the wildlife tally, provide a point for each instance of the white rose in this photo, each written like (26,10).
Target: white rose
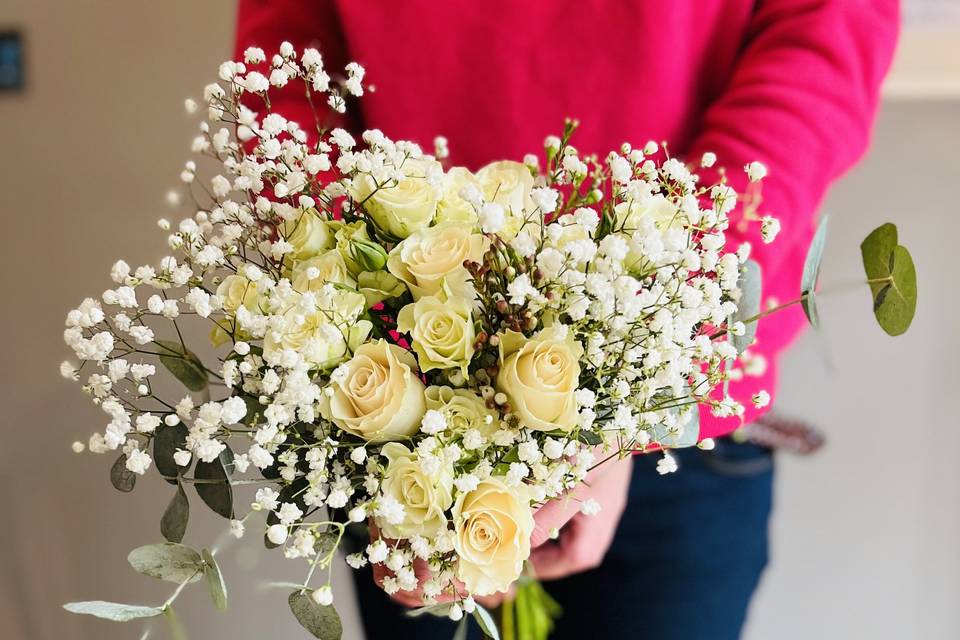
(463,409)
(452,206)
(324,336)
(493,524)
(308,233)
(441,330)
(509,184)
(540,375)
(235,292)
(657,208)
(380,397)
(430,257)
(330,267)
(402,208)
(425,497)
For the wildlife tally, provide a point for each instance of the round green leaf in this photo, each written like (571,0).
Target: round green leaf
(166,441)
(216,491)
(811,271)
(112,610)
(173,524)
(896,304)
(877,252)
(215,584)
(122,478)
(750,285)
(892,278)
(184,365)
(322,622)
(171,562)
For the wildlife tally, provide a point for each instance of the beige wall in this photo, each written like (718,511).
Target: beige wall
(865,534)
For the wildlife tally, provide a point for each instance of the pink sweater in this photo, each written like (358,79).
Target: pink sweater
(791,83)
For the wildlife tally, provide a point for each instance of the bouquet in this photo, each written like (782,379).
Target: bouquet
(397,342)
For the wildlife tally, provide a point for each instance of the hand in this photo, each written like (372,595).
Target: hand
(414,598)
(584,539)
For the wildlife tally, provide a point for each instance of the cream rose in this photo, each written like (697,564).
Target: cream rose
(330,268)
(309,234)
(402,208)
(452,207)
(377,286)
(441,330)
(324,336)
(493,524)
(430,257)
(657,208)
(377,396)
(509,184)
(425,496)
(631,217)
(463,409)
(540,375)
(235,292)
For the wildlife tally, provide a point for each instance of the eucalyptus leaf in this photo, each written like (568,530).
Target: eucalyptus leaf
(216,492)
(892,279)
(293,493)
(112,610)
(122,478)
(183,364)
(166,441)
(439,610)
(809,305)
(173,524)
(487,624)
(462,628)
(321,621)
(811,272)
(170,561)
(686,438)
(177,632)
(589,437)
(215,583)
(750,285)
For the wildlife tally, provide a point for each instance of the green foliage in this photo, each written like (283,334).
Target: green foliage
(170,561)
(486,623)
(322,622)
(183,364)
(748,307)
(811,272)
(173,524)
(216,491)
(112,610)
(688,438)
(215,584)
(892,278)
(122,478)
(166,441)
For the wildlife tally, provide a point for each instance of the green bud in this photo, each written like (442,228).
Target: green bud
(368,254)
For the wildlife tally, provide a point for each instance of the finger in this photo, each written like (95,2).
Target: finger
(577,550)
(552,515)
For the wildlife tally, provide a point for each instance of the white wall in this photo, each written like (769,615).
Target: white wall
(866,533)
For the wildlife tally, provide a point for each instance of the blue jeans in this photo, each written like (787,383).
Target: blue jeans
(687,556)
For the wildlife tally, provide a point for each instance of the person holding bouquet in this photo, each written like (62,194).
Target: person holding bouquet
(791,83)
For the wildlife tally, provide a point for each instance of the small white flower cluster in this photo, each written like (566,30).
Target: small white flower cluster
(429,349)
